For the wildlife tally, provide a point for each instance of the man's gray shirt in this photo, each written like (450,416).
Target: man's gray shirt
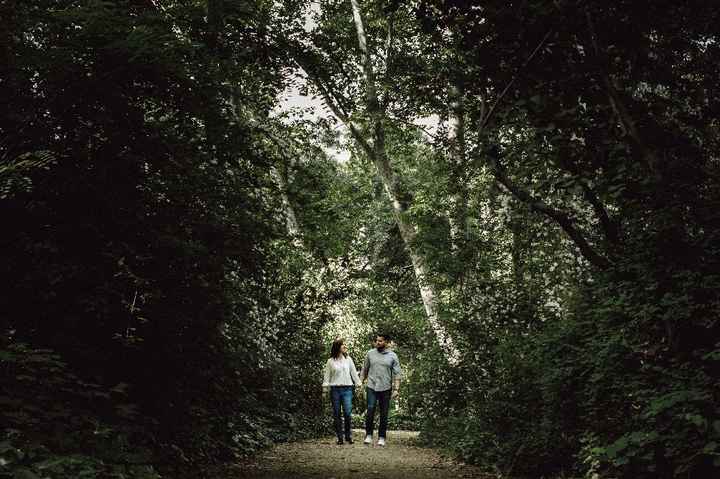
(381,368)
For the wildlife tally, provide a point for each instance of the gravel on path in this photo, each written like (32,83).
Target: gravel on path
(323,458)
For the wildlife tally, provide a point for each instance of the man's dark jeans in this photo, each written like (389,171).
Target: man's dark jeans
(382,399)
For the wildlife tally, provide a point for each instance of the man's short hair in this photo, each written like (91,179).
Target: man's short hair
(385,336)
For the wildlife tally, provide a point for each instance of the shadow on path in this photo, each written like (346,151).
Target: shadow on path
(322,458)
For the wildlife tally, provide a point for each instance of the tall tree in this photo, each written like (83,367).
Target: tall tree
(367,125)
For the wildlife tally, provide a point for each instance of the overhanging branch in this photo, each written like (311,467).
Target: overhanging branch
(562,218)
(484,121)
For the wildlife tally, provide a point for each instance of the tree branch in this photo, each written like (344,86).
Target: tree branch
(388,60)
(608,226)
(561,217)
(627,123)
(415,125)
(484,121)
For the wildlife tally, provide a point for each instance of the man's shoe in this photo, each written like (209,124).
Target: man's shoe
(339,442)
(349,440)
(368,439)
(381,441)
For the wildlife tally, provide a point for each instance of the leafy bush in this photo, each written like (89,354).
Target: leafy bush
(599,393)
(58,425)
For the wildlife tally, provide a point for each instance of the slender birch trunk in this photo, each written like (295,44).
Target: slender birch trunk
(291,222)
(378,153)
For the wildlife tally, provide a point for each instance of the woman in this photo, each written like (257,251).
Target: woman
(339,378)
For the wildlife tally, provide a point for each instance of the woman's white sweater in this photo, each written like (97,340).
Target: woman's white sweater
(340,372)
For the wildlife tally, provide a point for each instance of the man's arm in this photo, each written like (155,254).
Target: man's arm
(397,373)
(365,368)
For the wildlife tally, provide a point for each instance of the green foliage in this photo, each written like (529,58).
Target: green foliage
(603,370)
(143,244)
(56,425)
(15,175)
(658,409)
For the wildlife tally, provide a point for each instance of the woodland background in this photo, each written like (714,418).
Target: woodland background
(176,255)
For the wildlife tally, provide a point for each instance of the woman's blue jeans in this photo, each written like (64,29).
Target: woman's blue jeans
(342,396)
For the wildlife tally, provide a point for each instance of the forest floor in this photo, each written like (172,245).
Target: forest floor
(322,458)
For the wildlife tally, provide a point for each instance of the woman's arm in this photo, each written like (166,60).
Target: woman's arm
(354,373)
(326,375)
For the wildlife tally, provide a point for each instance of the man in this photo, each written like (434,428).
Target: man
(382,371)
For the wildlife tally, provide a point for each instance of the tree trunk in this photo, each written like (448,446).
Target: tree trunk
(378,154)
(291,222)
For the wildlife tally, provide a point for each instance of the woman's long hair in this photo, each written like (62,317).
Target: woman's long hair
(335,350)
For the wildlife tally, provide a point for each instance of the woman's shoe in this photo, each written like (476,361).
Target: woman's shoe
(349,440)
(339,442)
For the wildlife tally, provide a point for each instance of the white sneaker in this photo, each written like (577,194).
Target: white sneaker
(368,440)
(381,441)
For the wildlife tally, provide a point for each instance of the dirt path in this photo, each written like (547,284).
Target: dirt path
(322,458)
